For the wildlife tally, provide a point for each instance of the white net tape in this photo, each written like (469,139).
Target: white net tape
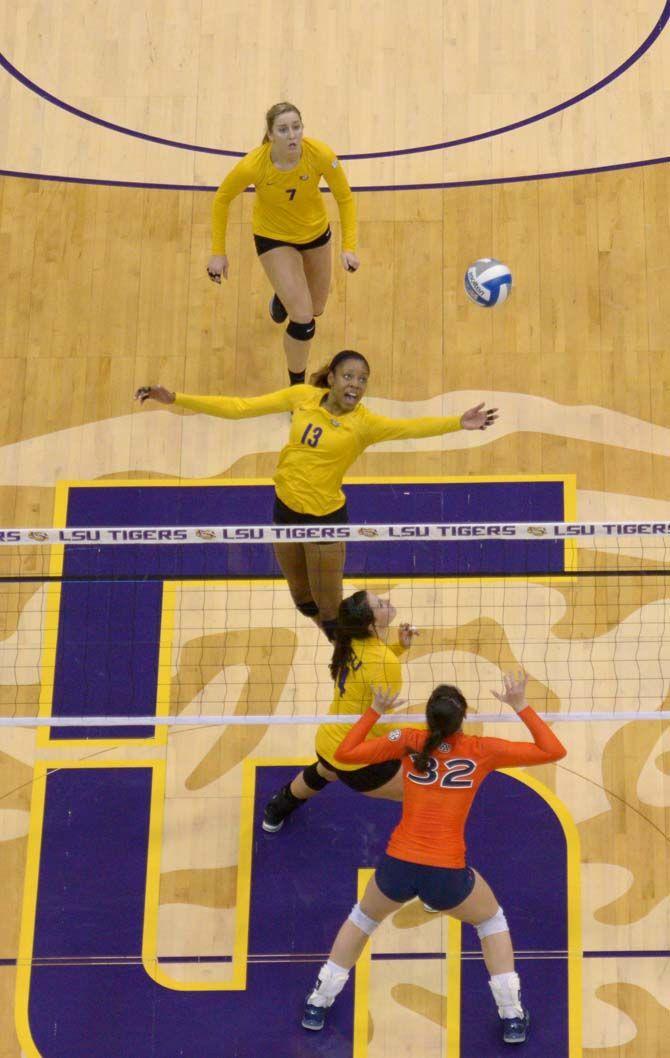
(272,534)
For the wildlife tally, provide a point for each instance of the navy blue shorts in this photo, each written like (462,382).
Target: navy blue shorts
(440,887)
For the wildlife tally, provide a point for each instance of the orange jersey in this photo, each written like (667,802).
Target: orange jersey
(436,803)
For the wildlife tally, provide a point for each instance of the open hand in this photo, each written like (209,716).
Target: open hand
(479,417)
(383,700)
(515,690)
(406,633)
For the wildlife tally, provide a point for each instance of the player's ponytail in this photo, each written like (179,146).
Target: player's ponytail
(320,377)
(445,711)
(355,620)
(272,115)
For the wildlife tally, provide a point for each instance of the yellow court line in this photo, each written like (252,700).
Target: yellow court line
(31,880)
(453,957)
(52,611)
(243,897)
(570,549)
(362,979)
(48,654)
(411,479)
(456,479)
(237,981)
(28,911)
(159,482)
(48,661)
(574,908)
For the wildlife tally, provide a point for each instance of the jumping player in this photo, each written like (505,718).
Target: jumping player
(329,429)
(290,225)
(425,857)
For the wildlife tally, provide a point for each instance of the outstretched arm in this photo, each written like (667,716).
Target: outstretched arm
(381,428)
(226,407)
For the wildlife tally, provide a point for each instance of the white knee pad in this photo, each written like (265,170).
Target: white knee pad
(330,982)
(363,921)
(495,924)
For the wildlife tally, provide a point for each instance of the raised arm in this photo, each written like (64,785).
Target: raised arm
(356,749)
(545,747)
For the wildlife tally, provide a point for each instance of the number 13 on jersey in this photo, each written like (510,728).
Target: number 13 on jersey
(311,435)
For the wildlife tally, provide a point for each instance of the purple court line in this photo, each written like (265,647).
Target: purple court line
(483,182)
(608,79)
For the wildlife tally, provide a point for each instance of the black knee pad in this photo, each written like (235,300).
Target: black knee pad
(302,332)
(313,779)
(309,609)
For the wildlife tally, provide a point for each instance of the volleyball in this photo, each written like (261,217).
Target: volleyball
(488,282)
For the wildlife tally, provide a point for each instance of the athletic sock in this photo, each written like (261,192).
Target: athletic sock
(506,988)
(330,982)
(297,377)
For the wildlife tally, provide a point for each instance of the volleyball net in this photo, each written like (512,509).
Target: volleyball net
(116,632)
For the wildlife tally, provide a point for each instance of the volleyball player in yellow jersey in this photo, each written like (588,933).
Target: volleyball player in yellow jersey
(361,662)
(329,429)
(290,224)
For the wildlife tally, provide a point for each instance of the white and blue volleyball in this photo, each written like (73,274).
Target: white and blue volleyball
(488,282)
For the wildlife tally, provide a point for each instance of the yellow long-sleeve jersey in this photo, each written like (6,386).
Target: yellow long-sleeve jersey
(288,204)
(373,664)
(321,446)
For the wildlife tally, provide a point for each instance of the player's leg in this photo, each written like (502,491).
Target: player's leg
(373,780)
(318,267)
(283,266)
(325,567)
(391,790)
(350,941)
(481,910)
(376,780)
(291,561)
(302,787)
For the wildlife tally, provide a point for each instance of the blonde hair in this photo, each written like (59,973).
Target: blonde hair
(272,115)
